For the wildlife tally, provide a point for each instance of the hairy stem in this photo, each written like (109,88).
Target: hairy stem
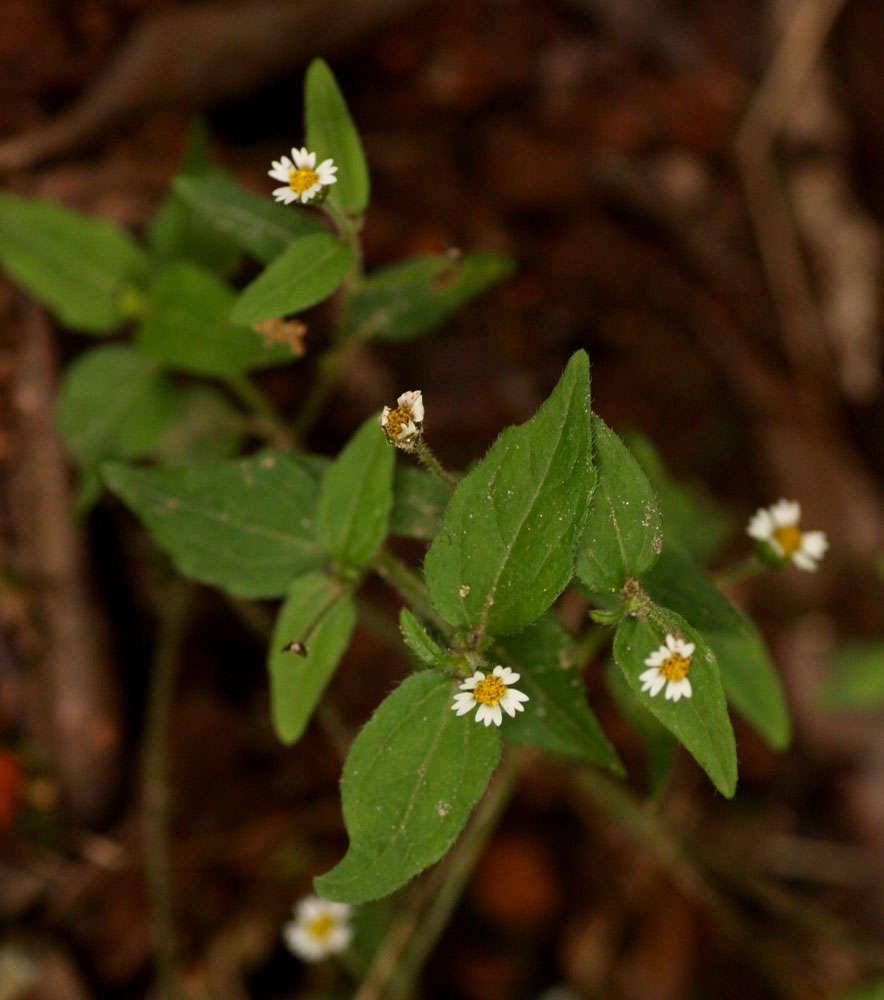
(429,460)
(155,784)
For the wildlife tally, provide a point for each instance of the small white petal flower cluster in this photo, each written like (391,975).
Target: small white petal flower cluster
(777,527)
(320,929)
(404,424)
(301,178)
(669,665)
(488,694)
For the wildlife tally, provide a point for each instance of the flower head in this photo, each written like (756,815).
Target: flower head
(488,694)
(670,664)
(779,539)
(404,424)
(301,178)
(320,928)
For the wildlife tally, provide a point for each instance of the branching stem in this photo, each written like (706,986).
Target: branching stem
(404,579)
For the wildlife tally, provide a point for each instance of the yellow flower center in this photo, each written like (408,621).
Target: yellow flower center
(788,538)
(490,690)
(396,420)
(676,667)
(302,179)
(321,927)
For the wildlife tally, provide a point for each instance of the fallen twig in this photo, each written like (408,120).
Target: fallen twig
(198,55)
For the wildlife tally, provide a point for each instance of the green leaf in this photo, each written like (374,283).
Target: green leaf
(331,133)
(624,532)
(419,500)
(353,513)
(749,677)
(419,641)
(858,680)
(114,403)
(188,327)
(245,526)
(321,612)
(304,274)
(700,723)
(258,225)
(78,267)
(557,717)
(208,429)
(693,521)
(412,776)
(176,232)
(411,298)
(507,547)
(660,746)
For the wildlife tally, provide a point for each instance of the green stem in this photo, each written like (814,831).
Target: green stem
(592,640)
(429,460)
(752,566)
(265,412)
(403,578)
(379,624)
(418,927)
(458,869)
(329,368)
(333,362)
(348,230)
(260,624)
(155,784)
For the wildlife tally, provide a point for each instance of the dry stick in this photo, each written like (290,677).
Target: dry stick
(412,937)
(682,862)
(639,822)
(155,783)
(768,206)
(803,912)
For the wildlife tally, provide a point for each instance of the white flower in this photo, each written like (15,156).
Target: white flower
(320,928)
(669,665)
(301,177)
(777,527)
(405,423)
(488,694)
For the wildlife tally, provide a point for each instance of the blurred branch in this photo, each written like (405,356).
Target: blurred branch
(769,209)
(650,25)
(78,690)
(172,622)
(198,55)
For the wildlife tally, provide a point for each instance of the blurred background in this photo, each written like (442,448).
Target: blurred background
(693,192)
